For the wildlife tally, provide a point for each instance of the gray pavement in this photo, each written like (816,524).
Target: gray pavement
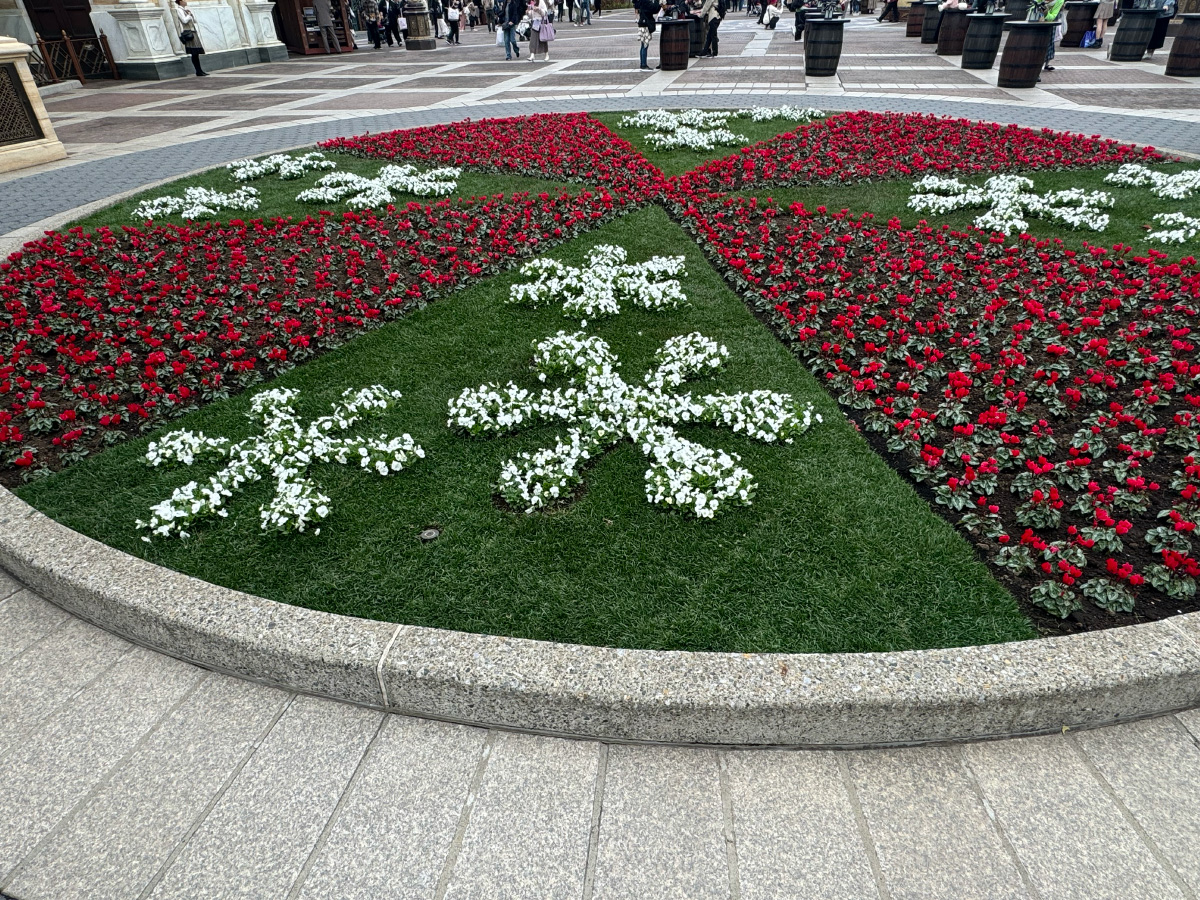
(145,777)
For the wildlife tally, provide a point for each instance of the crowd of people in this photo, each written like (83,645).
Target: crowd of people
(384,20)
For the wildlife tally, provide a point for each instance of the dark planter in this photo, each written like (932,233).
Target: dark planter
(982,42)
(1134,30)
(1184,61)
(420,28)
(1025,54)
(1081,18)
(952,32)
(916,18)
(1017,11)
(822,46)
(674,40)
(929,25)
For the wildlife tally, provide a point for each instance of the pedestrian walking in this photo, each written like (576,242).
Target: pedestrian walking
(891,9)
(712,13)
(368,17)
(1104,12)
(393,28)
(646,10)
(539,15)
(189,34)
(489,14)
(436,12)
(453,19)
(510,15)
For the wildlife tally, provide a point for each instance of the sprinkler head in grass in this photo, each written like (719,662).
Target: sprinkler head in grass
(429,534)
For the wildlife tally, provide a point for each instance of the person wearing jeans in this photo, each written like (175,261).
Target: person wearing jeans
(510,13)
(646,10)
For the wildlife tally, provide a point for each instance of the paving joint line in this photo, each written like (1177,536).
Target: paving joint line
(589,871)
(864,830)
(1130,818)
(977,788)
(464,817)
(343,799)
(731,854)
(1182,726)
(203,815)
(383,659)
(105,781)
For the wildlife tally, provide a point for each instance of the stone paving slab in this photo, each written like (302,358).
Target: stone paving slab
(118,842)
(26,618)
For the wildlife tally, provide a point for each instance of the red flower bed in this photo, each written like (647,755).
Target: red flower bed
(860,146)
(1047,400)
(107,333)
(572,146)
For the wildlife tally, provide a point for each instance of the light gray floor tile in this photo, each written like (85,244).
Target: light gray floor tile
(392,835)
(1069,835)
(8,585)
(796,830)
(931,831)
(62,761)
(114,847)
(1154,768)
(662,828)
(259,835)
(49,673)
(531,823)
(25,618)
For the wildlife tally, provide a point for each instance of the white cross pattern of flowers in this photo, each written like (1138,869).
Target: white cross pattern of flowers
(1009,199)
(285,449)
(599,288)
(602,409)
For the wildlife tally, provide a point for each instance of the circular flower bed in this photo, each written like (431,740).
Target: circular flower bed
(1043,397)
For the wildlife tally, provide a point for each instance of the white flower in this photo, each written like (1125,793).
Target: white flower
(287,167)
(698,129)
(601,409)
(284,450)
(1187,228)
(196,203)
(371,192)
(1179,186)
(1009,200)
(599,287)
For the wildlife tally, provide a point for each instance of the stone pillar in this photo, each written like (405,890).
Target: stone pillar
(420,28)
(14,21)
(141,40)
(260,21)
(26,136)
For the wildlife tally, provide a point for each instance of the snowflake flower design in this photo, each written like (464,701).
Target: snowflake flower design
(698,129)
(1009,199)
(1177,186)
(287,167)
(1179,228)
(599,288)
(377,191)
(285,449)
(602,409)
(196,203)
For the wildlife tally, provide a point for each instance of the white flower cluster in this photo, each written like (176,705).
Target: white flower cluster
(1180,228)
(284,451)
(196,203)
(790,113)
(369,192)
(601,409)
(699,129)
(1178,186)
(286,167)
(599,287)
(1009,200)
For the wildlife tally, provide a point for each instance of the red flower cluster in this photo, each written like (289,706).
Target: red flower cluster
(860,146)
(573,146)
(1036,391)
(103,334)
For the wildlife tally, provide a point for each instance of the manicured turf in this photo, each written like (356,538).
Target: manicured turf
(1130,219)
(676,162)
(837,553)
(278,197)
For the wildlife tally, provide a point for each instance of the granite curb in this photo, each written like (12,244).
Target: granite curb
(722,699)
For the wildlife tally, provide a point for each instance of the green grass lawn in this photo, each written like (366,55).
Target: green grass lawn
(836,553)
(278,197)
(1132,211)
(676,162)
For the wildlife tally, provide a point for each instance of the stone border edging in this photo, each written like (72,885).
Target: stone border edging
(725,699)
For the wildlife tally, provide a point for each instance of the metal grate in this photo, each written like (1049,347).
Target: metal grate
(18,124)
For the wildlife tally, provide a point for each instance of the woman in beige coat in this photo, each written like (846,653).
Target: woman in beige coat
(189,33)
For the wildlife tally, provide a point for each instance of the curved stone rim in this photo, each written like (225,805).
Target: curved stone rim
(720,699)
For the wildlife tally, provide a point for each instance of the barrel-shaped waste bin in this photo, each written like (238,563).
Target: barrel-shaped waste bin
(982,41)
(916,18)
(1184,61)
(673,43)
(822,46)
(1134,30)
(1081,18)
(1025,54)
(952,32)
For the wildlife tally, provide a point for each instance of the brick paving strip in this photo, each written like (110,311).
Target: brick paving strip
(128,774)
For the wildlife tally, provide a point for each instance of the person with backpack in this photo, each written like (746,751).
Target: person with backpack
(712,12)
(646,10)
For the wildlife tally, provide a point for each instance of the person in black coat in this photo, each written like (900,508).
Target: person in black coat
(646,10)
(509,14)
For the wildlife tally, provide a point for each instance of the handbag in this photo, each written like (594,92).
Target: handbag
(546,32)
(1089,39)
(499,37)
(187,36)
